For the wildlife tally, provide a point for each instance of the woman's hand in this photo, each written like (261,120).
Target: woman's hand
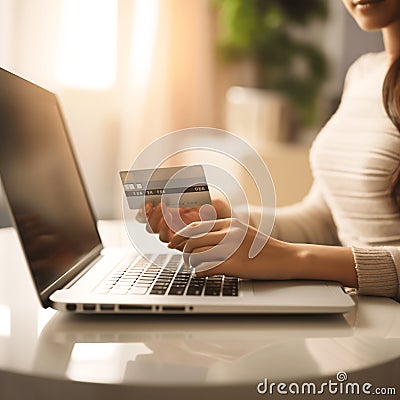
(166,221)
(223,247)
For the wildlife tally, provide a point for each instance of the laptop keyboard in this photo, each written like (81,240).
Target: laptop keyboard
(165,275)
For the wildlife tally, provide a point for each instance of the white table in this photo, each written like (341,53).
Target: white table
(49,355)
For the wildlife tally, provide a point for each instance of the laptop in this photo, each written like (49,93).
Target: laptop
(71,269)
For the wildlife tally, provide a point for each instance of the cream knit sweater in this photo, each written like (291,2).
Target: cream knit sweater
(353,160)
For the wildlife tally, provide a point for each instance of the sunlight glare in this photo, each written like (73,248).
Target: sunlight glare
(5,318)
(143,39)
(88,44)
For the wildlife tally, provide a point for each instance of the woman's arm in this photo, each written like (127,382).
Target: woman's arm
(309,221)
(212,248)
(330,263)
(223,247)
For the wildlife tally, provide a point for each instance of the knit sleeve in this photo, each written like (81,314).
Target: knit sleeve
(378,271)
(309,221)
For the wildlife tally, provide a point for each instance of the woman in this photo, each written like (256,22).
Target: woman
(355,198)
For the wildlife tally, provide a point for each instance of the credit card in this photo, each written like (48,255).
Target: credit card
(177,187)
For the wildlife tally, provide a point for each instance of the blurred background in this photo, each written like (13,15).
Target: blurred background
(129,71)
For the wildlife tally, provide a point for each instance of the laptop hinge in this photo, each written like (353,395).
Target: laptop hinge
(83,272)
(70,277)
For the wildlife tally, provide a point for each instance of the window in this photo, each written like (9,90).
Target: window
(87,51)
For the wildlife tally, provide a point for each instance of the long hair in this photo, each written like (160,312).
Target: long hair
(391,102)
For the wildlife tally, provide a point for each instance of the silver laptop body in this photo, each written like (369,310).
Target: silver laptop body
(71,269)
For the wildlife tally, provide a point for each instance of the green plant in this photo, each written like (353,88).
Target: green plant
(263,31)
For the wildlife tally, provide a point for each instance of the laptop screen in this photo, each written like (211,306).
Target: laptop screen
(42,181)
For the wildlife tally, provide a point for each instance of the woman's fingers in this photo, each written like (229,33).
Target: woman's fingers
(209,246)
(141,216)
(153,219)
(201,242)
(209,268)
(143,213)
(165,233)
(196,229)
(166,221)
(193,259)
(207,212)
(172,218)
(205,254)
(211,239)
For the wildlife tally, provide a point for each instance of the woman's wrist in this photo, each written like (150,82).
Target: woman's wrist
(329,263)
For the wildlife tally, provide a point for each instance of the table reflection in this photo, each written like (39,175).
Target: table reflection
(172,348)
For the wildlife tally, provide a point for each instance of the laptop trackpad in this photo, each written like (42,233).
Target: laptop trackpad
(300,292)
(277,287)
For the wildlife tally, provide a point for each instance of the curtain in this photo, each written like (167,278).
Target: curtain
(182,89)
(184,84)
